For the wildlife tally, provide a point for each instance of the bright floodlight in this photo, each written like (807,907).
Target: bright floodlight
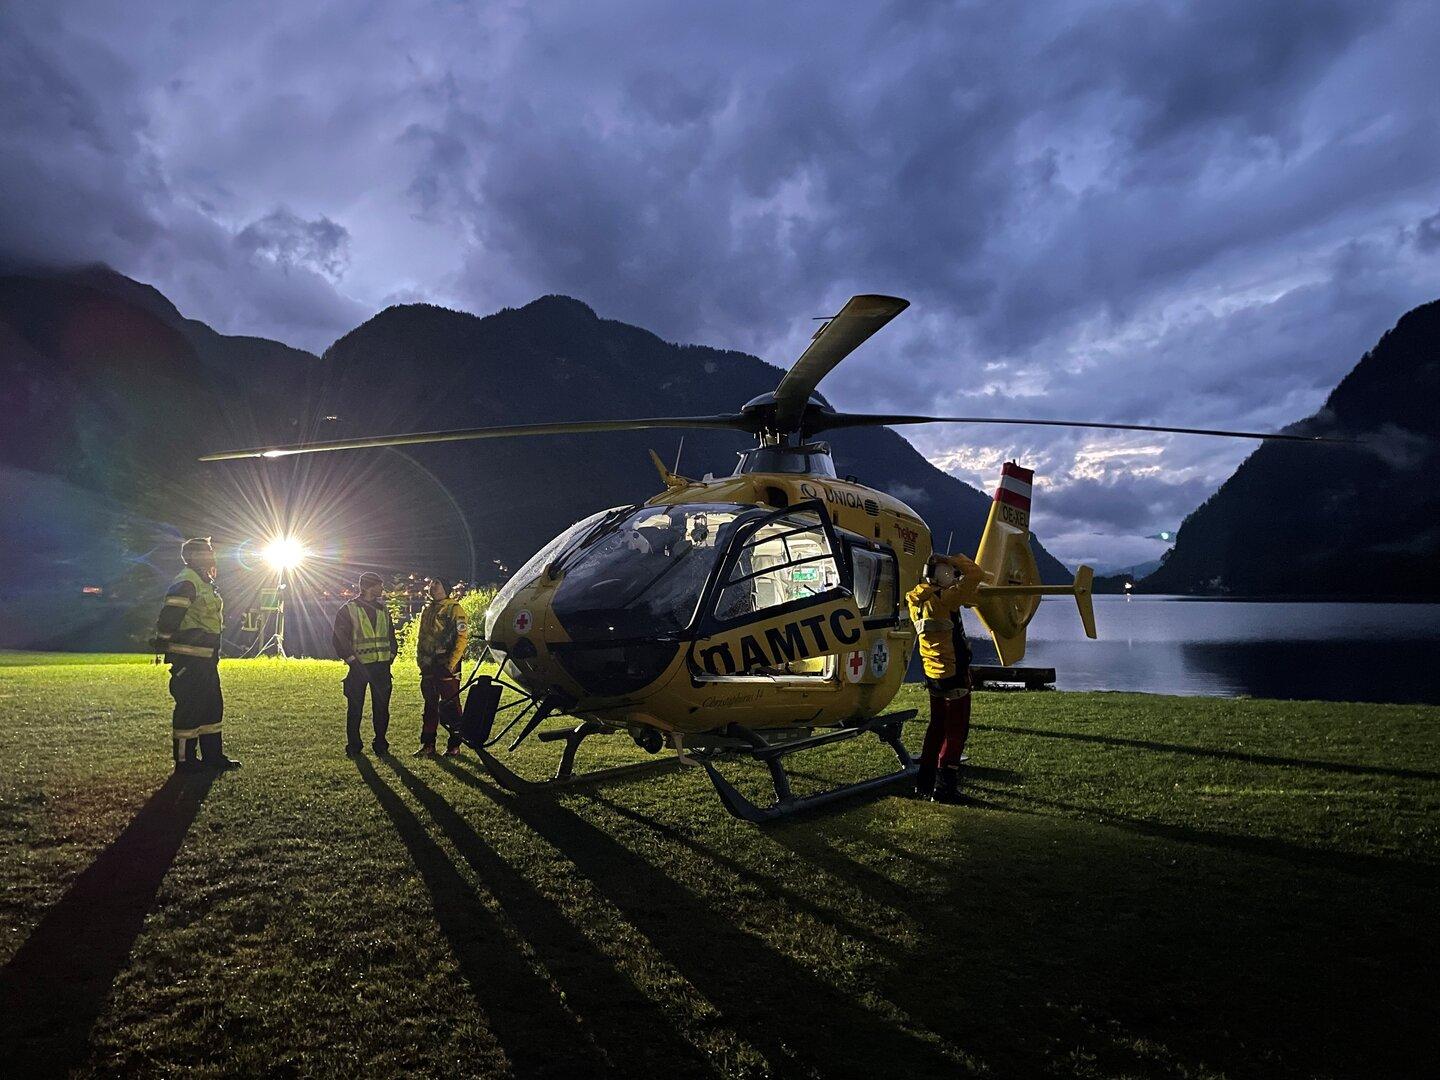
(284,553)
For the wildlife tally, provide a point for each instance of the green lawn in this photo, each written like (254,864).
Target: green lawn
(45,659)
(1140,886)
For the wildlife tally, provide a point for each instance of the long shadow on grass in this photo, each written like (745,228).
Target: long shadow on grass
(799,1022)
(637,1036)
(1269,846)
(796,898)
(1055,946)
(1224,755)
(53,989)
(538,1036)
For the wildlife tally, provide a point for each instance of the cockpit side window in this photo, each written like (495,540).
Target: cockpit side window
(787,559)
(876,594)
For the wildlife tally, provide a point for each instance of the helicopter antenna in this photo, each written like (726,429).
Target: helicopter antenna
(678,450)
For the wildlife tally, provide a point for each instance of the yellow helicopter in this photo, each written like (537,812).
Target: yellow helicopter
(758,614)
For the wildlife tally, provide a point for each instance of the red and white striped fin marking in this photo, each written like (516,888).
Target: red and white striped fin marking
(1014,489)
(1012,496)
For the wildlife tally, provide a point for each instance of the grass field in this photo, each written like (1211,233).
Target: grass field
(1139,886)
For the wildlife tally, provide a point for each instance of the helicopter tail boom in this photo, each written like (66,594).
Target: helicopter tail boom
(1006,558)
(1008,603)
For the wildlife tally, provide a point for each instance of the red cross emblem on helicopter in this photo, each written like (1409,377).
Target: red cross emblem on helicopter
(522,622)
(854,665)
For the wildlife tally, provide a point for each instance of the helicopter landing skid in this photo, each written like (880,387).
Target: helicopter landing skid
(565,774)
(887,728)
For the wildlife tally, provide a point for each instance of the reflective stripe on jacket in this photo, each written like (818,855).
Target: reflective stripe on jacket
(370,639)
(198,633)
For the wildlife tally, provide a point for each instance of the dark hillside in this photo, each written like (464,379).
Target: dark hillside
(110,394)
(98,391)
(1334,520)
(427,367)
(263,383)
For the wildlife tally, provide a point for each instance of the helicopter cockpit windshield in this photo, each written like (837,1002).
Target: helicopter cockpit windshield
(643,575)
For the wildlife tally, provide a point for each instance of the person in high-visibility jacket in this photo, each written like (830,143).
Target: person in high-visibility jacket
(439,650)
(364,637)
(188,633)
(951,582)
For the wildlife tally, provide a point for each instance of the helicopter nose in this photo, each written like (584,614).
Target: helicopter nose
(612,669)
(514,626)
(598,669)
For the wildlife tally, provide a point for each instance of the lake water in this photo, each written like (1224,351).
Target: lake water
(1175,645)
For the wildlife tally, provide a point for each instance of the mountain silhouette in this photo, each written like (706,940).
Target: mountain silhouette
(554,359)
(114,394)
(1322,520)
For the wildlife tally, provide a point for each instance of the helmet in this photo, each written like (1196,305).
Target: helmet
(941,573)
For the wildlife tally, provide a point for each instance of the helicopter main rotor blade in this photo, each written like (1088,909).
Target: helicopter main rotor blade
(858,319)
(825,422)
(729,420)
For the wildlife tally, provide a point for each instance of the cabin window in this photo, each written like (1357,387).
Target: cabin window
(787,559)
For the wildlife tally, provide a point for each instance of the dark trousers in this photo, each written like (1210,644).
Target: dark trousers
(199,707)
(377,678)
(948,730)
(440,688)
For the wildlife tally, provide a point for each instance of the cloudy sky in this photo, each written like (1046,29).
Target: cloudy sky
(1157,212)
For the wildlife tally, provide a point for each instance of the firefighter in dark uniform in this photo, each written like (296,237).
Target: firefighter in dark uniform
(438,650)
(188,633)
(951,582)
(364,637)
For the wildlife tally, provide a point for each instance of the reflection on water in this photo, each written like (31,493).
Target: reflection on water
(1167,645)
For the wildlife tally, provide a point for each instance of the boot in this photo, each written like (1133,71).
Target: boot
(186,755)
(947,785)
(925,782)
(212,755)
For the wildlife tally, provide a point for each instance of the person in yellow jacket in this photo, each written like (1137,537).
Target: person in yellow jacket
(364,637)
(188,633)
(439,650)
(951,582)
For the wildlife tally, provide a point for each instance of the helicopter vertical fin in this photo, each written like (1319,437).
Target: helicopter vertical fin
(1006,558)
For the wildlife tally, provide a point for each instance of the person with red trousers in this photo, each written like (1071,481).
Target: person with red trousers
(951,582)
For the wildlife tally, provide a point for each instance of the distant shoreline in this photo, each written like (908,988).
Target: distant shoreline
(1270,599)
